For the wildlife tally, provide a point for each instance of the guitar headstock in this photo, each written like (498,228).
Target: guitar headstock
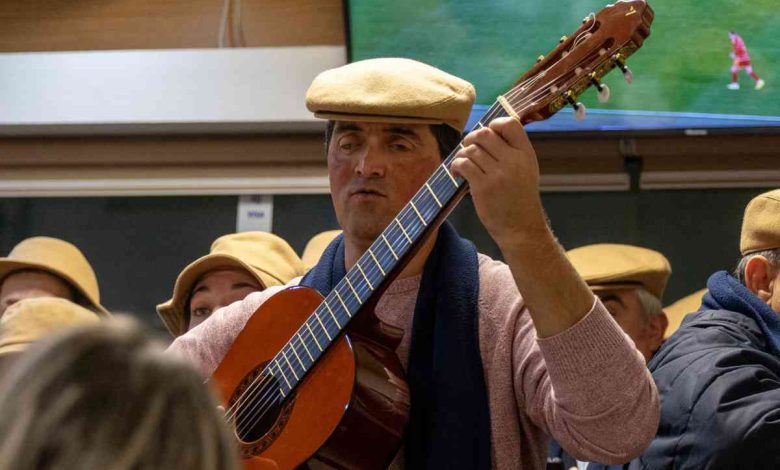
(602,43)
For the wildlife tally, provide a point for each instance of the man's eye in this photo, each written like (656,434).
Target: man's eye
(400,147)
(201,312)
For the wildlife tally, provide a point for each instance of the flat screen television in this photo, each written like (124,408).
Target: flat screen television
(682,75)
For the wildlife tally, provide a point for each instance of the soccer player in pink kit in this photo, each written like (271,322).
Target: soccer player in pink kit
(741,60)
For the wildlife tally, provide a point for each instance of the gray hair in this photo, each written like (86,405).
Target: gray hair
(651,304)
(107,396)
(773,256)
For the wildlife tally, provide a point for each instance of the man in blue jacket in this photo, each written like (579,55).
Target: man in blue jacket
(719,374)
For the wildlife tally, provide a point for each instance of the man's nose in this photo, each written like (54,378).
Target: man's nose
(371,162)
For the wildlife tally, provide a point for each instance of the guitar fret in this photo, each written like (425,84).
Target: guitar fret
(364,275)
(284,355)
(323,327)
(338,296)
(450,175)
(313,335)
(292,346)
(422,219)
(377,262)
(353,289)
(331,313)
(389,246)
(284,376)
(433,194)
(300,338)
(404,231)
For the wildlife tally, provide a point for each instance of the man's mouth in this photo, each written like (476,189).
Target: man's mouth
(366,193)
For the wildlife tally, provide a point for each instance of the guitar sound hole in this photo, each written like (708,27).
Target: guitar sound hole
(260,414)
(261,411)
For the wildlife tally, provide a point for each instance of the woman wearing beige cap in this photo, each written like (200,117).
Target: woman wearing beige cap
(48,267)
(237,265)
(316,246)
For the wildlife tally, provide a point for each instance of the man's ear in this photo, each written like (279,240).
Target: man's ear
(656,329)
(758,277)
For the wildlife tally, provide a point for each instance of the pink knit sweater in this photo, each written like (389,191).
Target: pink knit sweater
(587,387)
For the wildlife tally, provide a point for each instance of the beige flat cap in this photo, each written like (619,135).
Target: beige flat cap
(391,90)
(316,246)
(677,311)
(266,257)
(614,266)
(59,258)
(29,320)
(761,223)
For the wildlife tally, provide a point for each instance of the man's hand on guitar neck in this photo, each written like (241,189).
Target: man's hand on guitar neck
(500,165)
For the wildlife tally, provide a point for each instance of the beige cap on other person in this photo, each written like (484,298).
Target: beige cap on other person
(316,246)
(268,258)
(29,320)
(761,223)
(677,311)
(59,258)
(391,90)
(614,266)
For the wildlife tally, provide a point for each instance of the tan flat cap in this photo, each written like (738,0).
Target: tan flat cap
(391,90)
(761,223)
(268,258)
(29,320)
(57,257)
(614,266)
(316,246)
(677,311)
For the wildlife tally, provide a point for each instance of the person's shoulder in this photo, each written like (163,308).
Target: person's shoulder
(712,347)
(711,332)
(489,267)
(498,293)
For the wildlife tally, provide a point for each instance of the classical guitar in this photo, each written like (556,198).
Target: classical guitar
(316,381)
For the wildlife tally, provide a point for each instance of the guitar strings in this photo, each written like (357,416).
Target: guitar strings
(495,110)
(264,402)
(304,343)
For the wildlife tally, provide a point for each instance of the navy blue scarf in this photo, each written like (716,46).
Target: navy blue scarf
(449,422)
(727,293)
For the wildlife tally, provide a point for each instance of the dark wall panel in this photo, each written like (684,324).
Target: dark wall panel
(139,245)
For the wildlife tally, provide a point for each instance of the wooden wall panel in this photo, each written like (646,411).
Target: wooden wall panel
(57,25)
(231,164)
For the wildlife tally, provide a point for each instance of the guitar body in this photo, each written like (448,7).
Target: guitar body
(350,410)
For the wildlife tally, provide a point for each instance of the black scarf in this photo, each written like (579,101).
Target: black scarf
(449,423)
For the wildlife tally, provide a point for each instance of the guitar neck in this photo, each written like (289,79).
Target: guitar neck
(375,269)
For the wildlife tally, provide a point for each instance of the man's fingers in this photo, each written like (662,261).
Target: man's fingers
(482,158)
(462,166)
(490,141)
(512,132)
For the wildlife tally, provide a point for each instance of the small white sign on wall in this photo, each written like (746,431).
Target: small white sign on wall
(255,212)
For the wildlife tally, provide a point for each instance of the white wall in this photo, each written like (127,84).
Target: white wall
(161,91)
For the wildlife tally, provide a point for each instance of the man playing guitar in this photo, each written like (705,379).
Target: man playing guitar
(514,351)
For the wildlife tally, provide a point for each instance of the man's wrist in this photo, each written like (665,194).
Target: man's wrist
(531,231)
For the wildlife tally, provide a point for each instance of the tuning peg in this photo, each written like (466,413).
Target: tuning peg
(603,89)
(628,75)
(621,63)
(579,108)
(563,39)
